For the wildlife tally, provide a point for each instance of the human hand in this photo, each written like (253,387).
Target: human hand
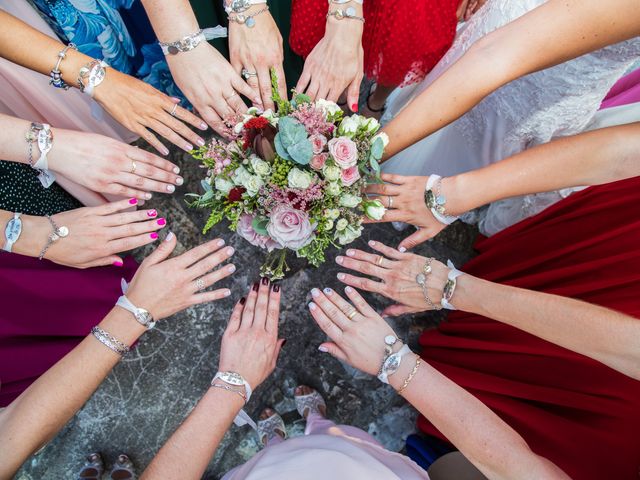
(472,7)
(164,286)
(250,344)
(97,234)
(257,50)
(404,199)
(397,272)
(141,108)
(211,84)
(105,165)
(358,340)
(336,63)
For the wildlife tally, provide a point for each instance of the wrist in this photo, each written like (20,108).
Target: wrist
(468,295)
(397,380)
(215,397)
(35,231)
(123,326)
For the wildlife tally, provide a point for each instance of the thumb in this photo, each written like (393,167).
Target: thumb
(162,252)
(396,310)
(353,94)
(279,346)
(334,350)
(416,238)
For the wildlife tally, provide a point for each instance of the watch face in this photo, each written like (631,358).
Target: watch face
(13,229)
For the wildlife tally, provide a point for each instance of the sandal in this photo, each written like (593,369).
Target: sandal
(377,112)
(269,428)
(122,469)
(93,468)
(312,402)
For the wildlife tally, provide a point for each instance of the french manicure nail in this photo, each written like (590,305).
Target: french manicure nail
(350,253)
(243,300)
(255,286)
(265,281)
(323,349)
(200,142)
(188,147)
(230,251)
(231,268)
(340,276)
(328,291)
(348,290)
(162,221)
(315,293)
(179,181)
(220,243)
(154,235)
(339,260)
(171,188)
(169,237)
(276,287)
(176,170)
(133,201)
(152,213)
(402,249)
(118,263)
(312,306)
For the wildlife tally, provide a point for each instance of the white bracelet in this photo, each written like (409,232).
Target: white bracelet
(436,202)
(392,363)
(191,41)
(94,73)
(450,286)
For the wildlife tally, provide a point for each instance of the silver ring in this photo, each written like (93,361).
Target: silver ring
(173,110)
(133,167)
(246,74)
(200,284)
(390,201)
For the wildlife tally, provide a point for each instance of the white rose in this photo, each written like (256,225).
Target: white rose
(241,175)
(383,136)
(374,209)
(223,185)
(371,124)
(299,179)
(349,200)
(348,235)
(329,108)
(271,116)
(328,224)
(253,111)
(333,189)
(331,172)
(342,224)
(238,128)
(349,126)
(260,167)
(332,213)
(253,185)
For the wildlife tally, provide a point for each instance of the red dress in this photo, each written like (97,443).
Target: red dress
(580,414)
(402,41)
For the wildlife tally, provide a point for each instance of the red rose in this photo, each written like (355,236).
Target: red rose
(257,123)
(235,194)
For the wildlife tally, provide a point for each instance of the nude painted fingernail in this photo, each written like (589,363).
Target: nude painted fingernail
(200,142)
(220,243)
(227,293)
(312,306)
(154,235)
(351,253)
(372,243)
(402,249)
(348,290)
(118,263)
(164,151)
(171,188)
(323,349)
(339,260)
(179,181)
(133,201)
(188,147)
(203,126)
(162,221)
(152,213)
(169,237)
(341,276)
(176,170)
(328,291)
(231,268)
(147,196)
(230,251)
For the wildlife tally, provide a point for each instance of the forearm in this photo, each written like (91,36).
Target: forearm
(557,31)
(13,146)
(41,410)
(200,435)
(171,19)
(35,231)
(591,158)
(599,333)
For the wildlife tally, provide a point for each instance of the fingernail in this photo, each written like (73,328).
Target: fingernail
(265,281)
(176,100)
(171,188)
(312,306)
(169,237)
(154,235)
(164,151)
(220,242)
(200,142)
(179,181)
(203,126)
(284,342)
(257,100)
(162,221)
(243,300)
(118,263)
(402,249)
(276,287)
(340,276)
(339,260)
(255,286)
(176,170)
(152,213)
(147,196)
(351,253)
(354,107)
(188,147)
(133,201)
(231,268)
(230,251)
(348,290)
(328,291)
(372,243)
(315,293)
(323,349)
(227,293)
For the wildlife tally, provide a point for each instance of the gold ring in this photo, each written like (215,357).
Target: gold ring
(352,314)
(133,167)
(390,201)
(380,260)
(173,110)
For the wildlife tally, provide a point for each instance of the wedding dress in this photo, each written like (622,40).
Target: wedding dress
(532,110)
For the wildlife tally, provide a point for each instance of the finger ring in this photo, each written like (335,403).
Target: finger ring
(246,74)
(200,284)
(380,260)
(173,110)
(133,167)
(231,96)
(390,201)
(352,314)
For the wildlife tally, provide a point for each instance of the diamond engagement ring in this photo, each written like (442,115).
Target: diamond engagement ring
(246,74)
(173,110)
(133,167)
(200,284)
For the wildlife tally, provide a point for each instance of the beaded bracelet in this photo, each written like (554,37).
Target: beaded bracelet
(435,201)
(55,74)
(109,341)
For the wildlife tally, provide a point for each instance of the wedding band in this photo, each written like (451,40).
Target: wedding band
(173,110)
(231,96)
(133,167)
(352,314)
(200,284)
(380,260)
(390,201)
(246,74)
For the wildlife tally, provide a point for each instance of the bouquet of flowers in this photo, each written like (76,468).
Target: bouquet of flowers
(293,179)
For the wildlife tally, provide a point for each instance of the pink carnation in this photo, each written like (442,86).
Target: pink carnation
(246,231)
(318,161)
(290,227)
(350,176)
(318,142)
(344,151)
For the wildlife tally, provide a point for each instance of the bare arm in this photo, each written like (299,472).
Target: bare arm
(556,31)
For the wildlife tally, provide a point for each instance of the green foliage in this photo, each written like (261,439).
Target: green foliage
(283,107)
(314,252)
(292,143)
(215,218)
(259,224)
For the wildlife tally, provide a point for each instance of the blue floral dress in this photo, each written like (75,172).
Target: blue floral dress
(116,31)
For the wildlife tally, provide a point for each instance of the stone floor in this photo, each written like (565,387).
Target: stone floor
(150,392)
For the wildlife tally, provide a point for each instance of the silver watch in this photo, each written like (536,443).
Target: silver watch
(12,232)
(141,315)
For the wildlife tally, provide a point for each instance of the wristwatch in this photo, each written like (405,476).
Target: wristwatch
(239,6)
(140,314)
(392,363)
(233,378)
(12,232)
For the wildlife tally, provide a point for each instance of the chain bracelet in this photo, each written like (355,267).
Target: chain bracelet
(411,375)
(230,389)
(109,341)
(421,279)
(54,236)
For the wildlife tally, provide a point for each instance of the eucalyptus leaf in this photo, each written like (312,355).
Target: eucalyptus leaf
(280,148)
(301,152)
(259,225)
(377,149)
(374,165)
(206,185)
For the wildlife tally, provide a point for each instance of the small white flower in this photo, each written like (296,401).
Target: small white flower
(223,185)
(383,136)
(241,176)
(371,124)
(332,213)
(342,224)
(331,172)
(253,185)
(348,235)
(253,111)
(349,200)
(271,116)
(329,108)
(349,126)
(260,167)
(334,189)
(238,128)
(374,209)
(299,179)
(328,224)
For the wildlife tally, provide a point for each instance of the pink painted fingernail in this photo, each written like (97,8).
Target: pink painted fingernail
(203,126)
(118,263)
(176,170)
(339,260)
(227,293)
(231,251)
(372,243)
(162,221)
(341,276)
(152,213)
(312,306)
(171,188)
(188,147)
(200,142)
(133,201)
(323,349)
(179,181)
(402,249)
(231,268)
(164,150)
(154,235)
(220,243)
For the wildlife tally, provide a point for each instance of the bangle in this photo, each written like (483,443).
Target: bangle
(55,74)
(348,13)
(230,389)
(421,279)
(110,341)
(450,286)
(411,375)
(91,75)
(54,236)
(435,201)
(41,134)
(248,20)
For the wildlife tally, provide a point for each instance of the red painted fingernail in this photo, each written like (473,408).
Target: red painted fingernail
(117,263)
(151,213)
(243,300)
(265,281)
(255,286)
(154,235)
(284,342)
(354,107)
(162,221)
(276,287)
(133,201)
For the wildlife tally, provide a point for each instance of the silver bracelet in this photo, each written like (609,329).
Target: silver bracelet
(421,279)
(239,6)
(450,286)
(55,74)
(109,341)
(348,13)
(248,20)
(435,201)
(230,389)
(92,75)
(57,234)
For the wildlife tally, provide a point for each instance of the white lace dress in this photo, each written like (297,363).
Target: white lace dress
(559,101)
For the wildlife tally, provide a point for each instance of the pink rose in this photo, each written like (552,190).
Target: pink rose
(246,231)
(318,161)
(344,151)
(318,142)
(350,176)
(290,227)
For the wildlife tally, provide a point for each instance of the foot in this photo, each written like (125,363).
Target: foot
(93,468)
(122,469)
(269,425)
(309,400)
